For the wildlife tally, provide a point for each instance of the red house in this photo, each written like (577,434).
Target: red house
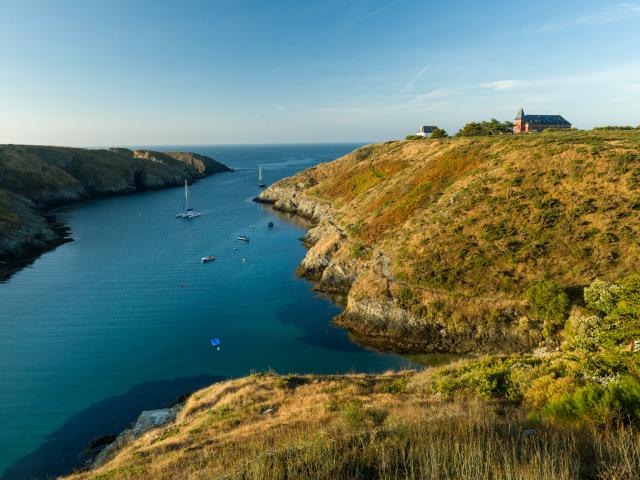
(537,123)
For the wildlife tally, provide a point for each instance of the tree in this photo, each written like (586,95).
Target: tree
(550,304)
(486,129)
(439,133)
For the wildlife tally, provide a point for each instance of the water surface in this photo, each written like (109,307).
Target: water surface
(120,319)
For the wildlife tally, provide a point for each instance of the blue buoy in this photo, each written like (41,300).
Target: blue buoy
(215,342)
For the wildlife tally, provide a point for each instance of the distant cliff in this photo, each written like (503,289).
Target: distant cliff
(34,178)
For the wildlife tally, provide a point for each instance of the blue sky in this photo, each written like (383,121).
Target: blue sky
(127,72)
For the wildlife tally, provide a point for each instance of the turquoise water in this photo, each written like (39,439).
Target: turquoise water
(120,319)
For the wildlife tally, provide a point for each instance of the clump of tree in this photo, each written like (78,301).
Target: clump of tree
(435,134)
(549,303)
(439,133)
(617,127)
(486,129)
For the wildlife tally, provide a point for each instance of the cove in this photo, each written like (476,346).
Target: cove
(120,319)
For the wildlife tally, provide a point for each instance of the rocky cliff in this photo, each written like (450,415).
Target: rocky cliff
(436,243)
(34,178)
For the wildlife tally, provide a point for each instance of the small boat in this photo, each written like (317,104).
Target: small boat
(270,224)
(188,212)
(207,259)
(215,343)
(243,238)
(261,183)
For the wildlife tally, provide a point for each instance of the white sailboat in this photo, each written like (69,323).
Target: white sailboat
(261,183)
(188,212)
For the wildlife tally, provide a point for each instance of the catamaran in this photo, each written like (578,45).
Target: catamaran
(261,183)
(188,212)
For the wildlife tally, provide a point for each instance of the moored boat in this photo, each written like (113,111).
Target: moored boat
(243,238)
(207,259)
(188,212)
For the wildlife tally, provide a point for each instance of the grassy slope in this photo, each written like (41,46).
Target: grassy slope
(471,223)
(362,427)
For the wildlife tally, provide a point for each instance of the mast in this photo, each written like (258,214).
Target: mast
(186,196)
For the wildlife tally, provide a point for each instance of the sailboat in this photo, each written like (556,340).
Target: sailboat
(188,212)
(261,183)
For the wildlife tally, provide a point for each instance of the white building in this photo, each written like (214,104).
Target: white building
(425,131)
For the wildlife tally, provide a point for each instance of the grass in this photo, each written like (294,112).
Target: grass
(367,427)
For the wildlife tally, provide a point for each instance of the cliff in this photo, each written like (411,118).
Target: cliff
(436,243)
(34,178)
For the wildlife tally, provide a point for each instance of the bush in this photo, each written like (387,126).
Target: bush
(618,402)
(486,129)
(413,137)
(549,303)
(439,133)
(358,251)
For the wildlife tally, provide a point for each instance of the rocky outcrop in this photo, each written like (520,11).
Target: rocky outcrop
(147,421)
(35,178)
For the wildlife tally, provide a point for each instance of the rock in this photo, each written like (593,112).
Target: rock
(101,441)
(150,419)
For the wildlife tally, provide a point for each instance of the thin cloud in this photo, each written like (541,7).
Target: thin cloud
(503,84)
(410,84)
(432,95)
(617,13)
(375,12)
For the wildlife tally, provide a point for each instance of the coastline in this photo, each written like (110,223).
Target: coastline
(40,179)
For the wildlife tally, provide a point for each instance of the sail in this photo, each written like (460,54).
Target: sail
(260,175)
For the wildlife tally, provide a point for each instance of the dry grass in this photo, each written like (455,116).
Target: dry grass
(363,427)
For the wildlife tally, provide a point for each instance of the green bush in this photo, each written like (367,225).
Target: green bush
(618,402)
(359,251)
(486,129)
(439,133)
(549,303)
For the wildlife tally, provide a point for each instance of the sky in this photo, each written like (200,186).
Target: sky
(188,72)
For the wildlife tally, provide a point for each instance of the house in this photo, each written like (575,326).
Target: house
(537,123)
(425,131)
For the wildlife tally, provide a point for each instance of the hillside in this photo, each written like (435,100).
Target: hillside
(437,242)
(33,178)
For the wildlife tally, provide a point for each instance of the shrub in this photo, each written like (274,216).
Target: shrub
(439,133)
(618,402)
(359,251)
(485,129)
(406,297)
(549,303)
(602,296)
(413,137)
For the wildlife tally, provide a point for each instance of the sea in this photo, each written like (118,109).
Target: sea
(121,319)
